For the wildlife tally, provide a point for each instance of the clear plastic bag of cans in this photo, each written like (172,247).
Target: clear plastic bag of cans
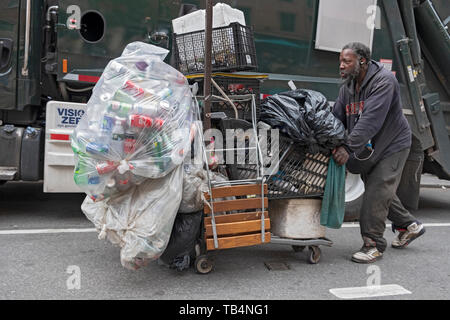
(138,124)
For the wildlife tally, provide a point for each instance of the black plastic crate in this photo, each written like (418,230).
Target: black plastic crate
(300,174)
(234,86)
(233,49)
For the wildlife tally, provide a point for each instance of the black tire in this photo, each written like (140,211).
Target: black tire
(2,182)
(352,209)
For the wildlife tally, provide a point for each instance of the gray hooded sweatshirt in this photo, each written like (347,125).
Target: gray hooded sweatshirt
(375,113)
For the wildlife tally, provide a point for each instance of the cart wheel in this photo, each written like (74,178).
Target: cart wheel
(203,265)
(298,248)
(314,255)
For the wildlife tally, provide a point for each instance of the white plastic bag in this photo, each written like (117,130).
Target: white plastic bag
(140,219)
(194,184)
(223,16)
(195,178)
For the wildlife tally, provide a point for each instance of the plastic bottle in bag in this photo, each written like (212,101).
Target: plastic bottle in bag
(158,69)
(119,108)
(117,140)
(100,144)
(99,147)
(176,143)
(165,109)
(145,168)
(158,152)
(115,69)
(80,140)
(148,109)
(84,175)
(108,121)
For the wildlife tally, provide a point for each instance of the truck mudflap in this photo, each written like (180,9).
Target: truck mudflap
(426,116)
(61,119)
(435,36)
(10,146)
(441,153)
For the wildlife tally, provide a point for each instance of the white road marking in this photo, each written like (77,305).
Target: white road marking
(369,291)
(87,230)
(388,225)
(46,231)
(436,224)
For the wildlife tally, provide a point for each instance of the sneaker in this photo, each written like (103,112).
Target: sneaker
(406,236)
(367,255)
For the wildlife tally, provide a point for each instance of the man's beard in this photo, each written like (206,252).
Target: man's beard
(352,75)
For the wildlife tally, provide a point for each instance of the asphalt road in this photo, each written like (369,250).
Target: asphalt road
(35,266)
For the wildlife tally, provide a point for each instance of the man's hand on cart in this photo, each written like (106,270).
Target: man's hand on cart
(340,155)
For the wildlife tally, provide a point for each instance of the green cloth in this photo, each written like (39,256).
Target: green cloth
(333,203)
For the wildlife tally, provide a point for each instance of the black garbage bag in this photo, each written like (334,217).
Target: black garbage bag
(305,116)
(181,247)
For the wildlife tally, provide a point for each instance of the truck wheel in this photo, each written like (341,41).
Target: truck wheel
(409,187)
(354,193)
(352,209)
(2,182)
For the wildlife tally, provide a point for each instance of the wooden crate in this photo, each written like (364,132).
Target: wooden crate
(237,229)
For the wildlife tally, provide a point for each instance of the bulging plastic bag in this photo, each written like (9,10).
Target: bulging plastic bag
(194,184)
(137,125)
(180,251)
(195,176)
(306,117)
(139,220)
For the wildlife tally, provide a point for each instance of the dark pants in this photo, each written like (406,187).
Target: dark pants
(380,200)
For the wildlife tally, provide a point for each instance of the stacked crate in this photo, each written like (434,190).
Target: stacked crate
(233,85)
(233,50)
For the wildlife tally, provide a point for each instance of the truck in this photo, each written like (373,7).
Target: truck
(52,53)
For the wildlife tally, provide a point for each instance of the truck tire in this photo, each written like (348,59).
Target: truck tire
(352,209)
(354,194)
(409,187)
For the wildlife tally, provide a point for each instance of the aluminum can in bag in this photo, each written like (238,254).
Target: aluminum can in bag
(129,144)
(121,109)
(106,167)
(139,121)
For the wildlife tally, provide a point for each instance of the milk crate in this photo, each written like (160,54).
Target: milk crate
(233,86)
(233,49)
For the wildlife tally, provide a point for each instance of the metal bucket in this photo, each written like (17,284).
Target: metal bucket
(296,218)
